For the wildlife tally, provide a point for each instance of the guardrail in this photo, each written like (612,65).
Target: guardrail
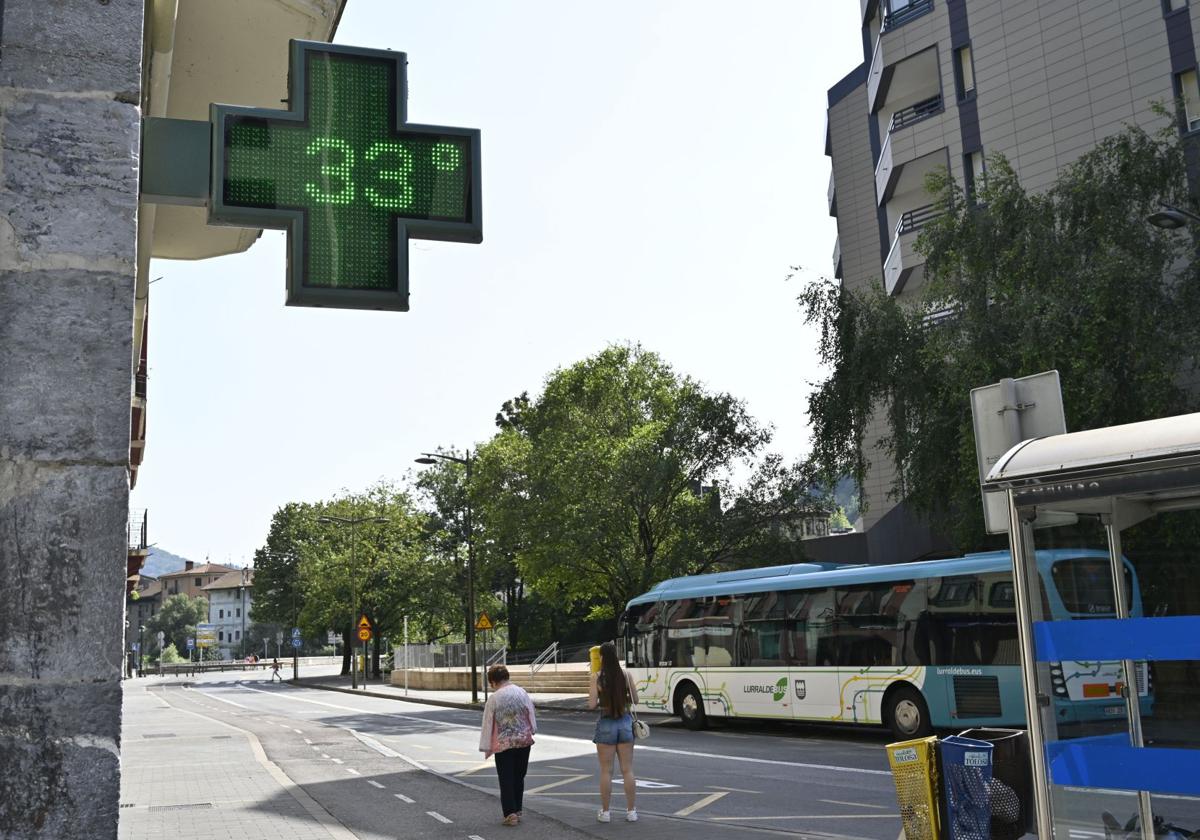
(916,112)
(904,14)
(545,656)
(917,218)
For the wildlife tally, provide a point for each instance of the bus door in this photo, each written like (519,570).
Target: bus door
(761,686)
(814,684)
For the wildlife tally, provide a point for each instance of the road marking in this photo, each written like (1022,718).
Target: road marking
(337,761)
(324,755)
(404,798)
(457,752)
(565,781)
(297,731)
(423,747)
(812,817)
(308,740)
(318,749)
(703,803)
(352,771)
(732,790)
(853,804)
(439,817)
(223,700)
(474,837)
(375,745)
(486,765)
(374,783)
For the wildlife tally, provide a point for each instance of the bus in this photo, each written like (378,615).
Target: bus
(914,646)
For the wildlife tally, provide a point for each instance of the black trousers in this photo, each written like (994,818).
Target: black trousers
(510,767)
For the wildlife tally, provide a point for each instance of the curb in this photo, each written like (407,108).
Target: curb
(449,704)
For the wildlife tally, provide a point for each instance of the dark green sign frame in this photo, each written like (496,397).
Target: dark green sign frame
(344,173)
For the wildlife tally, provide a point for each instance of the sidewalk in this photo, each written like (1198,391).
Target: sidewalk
(225,776)
(452,699)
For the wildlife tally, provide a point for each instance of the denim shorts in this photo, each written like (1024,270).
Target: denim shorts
(614,730)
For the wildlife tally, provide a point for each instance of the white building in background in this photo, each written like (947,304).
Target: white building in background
(229,603)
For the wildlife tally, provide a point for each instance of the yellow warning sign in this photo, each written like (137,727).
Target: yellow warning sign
(363,624)
(484,623)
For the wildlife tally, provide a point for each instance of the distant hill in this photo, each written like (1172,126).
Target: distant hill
(160,561)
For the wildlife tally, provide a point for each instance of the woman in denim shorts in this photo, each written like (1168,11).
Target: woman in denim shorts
(612,692)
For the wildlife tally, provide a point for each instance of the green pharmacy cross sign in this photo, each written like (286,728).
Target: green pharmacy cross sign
(346,176)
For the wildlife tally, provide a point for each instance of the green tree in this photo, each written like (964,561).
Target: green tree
(177,619)
(620,448)
(1072,279)
(838,519)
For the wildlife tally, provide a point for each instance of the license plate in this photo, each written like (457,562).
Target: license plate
(1114,711)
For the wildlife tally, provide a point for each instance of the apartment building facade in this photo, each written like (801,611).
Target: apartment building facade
(947,83)
(229,604)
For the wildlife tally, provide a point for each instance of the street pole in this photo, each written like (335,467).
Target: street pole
(429,458)
(405,656)
(353,523)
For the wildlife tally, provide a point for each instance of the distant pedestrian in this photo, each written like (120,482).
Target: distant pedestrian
(509,724)
(275,671)
(613,693)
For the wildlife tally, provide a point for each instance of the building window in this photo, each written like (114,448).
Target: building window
(974,173)
(1188,89)
(197,581)
(1174,5)
(239,612)
(220,613)
(239,634)
(964,72)
(220,635)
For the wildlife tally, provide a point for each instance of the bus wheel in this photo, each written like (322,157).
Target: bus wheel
(690,706)
(906,714)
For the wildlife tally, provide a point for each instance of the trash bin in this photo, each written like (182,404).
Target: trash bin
(914,770)
(1012,781)
(966,768)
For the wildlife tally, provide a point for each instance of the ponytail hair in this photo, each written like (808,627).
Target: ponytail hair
(611,682)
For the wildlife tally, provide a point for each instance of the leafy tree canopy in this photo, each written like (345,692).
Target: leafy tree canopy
(177,619)
(1016,283)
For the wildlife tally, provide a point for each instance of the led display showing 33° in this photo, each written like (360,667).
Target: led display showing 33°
(357,177)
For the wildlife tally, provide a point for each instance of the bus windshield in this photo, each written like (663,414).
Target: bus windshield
(1085,585)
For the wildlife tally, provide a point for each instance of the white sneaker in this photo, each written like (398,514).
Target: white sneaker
(603,816)
(631,816)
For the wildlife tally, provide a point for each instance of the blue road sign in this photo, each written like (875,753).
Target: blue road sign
(295,632)
(296,643)
(135,647)
(191,643)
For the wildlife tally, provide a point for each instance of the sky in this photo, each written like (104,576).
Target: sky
(651,172)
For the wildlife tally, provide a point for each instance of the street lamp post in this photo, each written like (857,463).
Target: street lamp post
(354,523)
(1172,218)
(432,458)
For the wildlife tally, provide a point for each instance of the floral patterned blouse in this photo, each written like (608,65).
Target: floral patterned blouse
(508,720)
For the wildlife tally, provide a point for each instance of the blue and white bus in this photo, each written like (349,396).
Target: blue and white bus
(913,646)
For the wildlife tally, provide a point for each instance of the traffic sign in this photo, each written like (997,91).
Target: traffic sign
(363,622)
(364,634)
(296,643)
(483,622)
(206,635)
(135,647)
(191,643)
(344,173)
(295,632)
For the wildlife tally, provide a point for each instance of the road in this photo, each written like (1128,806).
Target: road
(387,768)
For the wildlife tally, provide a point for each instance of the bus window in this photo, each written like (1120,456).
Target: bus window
(760,637)
(1085,585)
(811,627)
(685,631)
(962,630)
(718,639)
(865,633)
(642,636)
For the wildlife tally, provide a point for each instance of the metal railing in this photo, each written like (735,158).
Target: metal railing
(917,218)
(545,656)
(500,657)
(137,529)
(922,110)
(902,15)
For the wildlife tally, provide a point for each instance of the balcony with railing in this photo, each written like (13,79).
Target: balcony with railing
(899,13)
(831,196)
(905,266)
(898,153)
(902,64)
(915,113)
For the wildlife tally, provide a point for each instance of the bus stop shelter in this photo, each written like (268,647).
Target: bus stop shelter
(1134,489)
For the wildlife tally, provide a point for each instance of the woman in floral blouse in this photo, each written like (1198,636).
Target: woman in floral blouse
(509,725)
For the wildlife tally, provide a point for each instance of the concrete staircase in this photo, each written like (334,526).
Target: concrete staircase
(570,678)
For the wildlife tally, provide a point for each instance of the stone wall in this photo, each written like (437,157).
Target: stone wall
(69,128)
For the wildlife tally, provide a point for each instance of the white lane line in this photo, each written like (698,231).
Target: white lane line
(308,740)
(565,781)
(853,804)
(352,771)
(315,747)
(439,817)
(374,783)
(223,700)
(375,745)
(474,837)
(404,798)
(811,817)
(337,761)
(325,755)
(703,803)
(693,753)
(297,731)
